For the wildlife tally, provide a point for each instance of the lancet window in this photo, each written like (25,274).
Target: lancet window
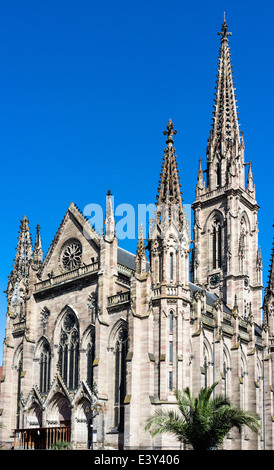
(19,379)
(120,378)
(69,350)
(171,267)
(90,351)
(217,244)
(207,362)
(218,174)
(45,361)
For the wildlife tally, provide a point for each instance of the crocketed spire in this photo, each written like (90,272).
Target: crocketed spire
(23,257)
(38,252)
(225,127)
(141,258)
(169,193)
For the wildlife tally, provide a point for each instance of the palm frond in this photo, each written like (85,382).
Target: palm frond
(202,421)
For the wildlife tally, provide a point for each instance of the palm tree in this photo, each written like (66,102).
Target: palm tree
(204,421)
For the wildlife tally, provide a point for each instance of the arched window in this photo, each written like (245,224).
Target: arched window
(243,382)
(120,378)
(207,363)
(171,322)
(19,379)
(218,174)
(69,350)
(242,243)
(90,357)
(171,267)
(206,371)
(217,244)
(226,372)
(171,352)
(45,360)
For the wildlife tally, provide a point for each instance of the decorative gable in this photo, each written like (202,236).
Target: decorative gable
(75,244)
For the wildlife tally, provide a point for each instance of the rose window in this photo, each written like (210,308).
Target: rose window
(71,257)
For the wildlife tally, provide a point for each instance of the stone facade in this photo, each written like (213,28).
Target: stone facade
(98,338)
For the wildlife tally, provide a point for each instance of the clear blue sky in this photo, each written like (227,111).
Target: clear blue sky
(86,90)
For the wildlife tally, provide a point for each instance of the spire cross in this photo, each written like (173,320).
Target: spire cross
(170,132)
(223,31)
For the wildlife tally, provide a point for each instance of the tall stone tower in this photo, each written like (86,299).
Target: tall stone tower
(169,233)
(226,257)
(169,249)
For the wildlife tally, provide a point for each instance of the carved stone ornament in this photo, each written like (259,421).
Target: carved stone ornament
(71,255)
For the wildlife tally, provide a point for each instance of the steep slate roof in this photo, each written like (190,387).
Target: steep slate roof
(210,298)
(125,258)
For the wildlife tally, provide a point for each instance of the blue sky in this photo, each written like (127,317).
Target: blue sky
(86,90)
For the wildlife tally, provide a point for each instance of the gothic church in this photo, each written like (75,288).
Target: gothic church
(97,338)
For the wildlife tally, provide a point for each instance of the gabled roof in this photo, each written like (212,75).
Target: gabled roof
(74,212)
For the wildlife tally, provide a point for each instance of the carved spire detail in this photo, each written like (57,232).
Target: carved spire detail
(141,258)
(37,252)
(23,257)
(169,191)
(200,186)
(225,128)
(109,219)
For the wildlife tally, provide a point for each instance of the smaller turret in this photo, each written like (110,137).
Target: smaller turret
(141,258)
(23,256)
(109,219)
(37,252)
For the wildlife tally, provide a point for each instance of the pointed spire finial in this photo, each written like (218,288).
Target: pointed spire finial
(38,252)
(109,219)
(250,185)
(224,33)
(169,191)
(200,178)
(170,132)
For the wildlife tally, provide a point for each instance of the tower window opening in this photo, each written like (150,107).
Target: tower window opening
(218,172)
(171,322)
(217,245)
(171,266)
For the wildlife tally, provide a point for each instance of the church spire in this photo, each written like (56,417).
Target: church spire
(225,143)
(169,192)
(23,257)
(225,209)
(225,126)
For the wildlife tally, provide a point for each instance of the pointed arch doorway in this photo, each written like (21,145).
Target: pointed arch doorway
(57,427)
